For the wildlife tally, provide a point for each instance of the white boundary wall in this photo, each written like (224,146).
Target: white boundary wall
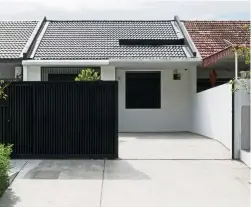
(212,114)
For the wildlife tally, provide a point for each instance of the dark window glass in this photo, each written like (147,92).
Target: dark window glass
(150,42)
(204,84)
(143,90)
(62,77)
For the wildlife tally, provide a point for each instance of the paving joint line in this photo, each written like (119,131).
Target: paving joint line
(171,159)
(102,185)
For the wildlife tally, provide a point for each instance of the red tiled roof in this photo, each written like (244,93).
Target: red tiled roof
(208,35)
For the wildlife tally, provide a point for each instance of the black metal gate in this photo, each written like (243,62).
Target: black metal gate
(62,119)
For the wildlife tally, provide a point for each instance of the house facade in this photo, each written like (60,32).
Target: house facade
(154,63)
(159,65)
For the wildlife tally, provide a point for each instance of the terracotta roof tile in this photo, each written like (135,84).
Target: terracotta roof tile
(208,35)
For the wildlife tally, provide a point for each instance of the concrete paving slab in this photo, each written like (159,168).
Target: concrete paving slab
(176,183)
(52,193)
(170,146)
(40,184)
(68,169)
(17,165)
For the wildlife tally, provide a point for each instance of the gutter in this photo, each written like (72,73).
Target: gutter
(65,62)
(188,39)
(157,61)
(28,47)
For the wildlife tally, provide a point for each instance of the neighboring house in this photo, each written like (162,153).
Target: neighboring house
(16,38)
(153,61)
(208,37)
(231,122)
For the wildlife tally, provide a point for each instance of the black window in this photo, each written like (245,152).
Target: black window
(143,90)
(150,42)
(62,77)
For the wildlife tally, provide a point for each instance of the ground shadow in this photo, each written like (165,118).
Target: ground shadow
(9,198)
(67,169)
(122,170)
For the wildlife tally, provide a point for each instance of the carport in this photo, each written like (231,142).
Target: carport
(164,146)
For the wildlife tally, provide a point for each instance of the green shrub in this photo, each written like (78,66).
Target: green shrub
(5,152)
(87,74)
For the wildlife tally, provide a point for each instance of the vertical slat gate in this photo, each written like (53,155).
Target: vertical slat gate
(64,119)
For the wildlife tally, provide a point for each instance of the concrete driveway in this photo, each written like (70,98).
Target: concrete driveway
(170,146)
(143,179)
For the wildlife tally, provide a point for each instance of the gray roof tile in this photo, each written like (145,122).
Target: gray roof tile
(14,36)
(100,40)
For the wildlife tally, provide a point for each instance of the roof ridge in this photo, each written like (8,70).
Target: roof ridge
(110,20)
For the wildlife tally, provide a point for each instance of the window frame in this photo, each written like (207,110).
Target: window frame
(159,72)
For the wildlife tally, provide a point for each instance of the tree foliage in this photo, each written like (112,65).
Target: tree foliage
(243,50)
(3,86)
(87,74)
(5,152)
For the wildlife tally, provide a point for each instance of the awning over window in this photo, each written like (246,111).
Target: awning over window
(217,56)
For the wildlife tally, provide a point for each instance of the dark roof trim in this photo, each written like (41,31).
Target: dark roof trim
(188,40)
(11,60)
(30,43)
(150,42)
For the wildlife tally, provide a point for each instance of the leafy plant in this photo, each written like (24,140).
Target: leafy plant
(244,51)
(3,86)
(5,152)
(87,74)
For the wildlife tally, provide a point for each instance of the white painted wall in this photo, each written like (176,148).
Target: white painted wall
(212,114)
(108,72)
(31,73)
(175,105)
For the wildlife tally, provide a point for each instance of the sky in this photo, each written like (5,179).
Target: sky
(124,9)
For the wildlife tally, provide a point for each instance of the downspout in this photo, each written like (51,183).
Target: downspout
(233,121)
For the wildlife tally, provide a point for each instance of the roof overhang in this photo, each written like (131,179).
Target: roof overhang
(210,60)
(65,62)
(11,60)
(114,62)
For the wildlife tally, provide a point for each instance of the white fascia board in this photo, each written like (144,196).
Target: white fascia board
(32,37)
(39,39)
(108,62)
(65,62)
(157,61)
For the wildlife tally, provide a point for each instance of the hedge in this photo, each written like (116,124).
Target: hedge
(5,151)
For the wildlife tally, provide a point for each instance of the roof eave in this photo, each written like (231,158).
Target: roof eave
(11,60)
(114,62)
(65,62)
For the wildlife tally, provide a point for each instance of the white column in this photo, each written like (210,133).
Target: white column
(108,72)
(25,75)
(31,73)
